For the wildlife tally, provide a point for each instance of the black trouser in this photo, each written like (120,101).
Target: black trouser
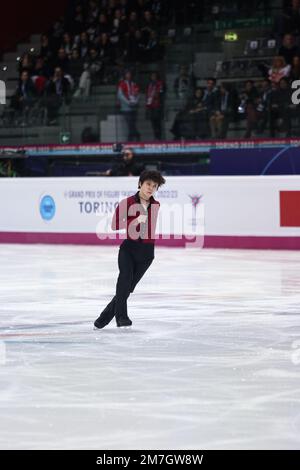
(134,259)
(155,118)
(130,118)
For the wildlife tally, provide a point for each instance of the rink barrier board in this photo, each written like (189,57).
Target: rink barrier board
(75,239)
(230,212)
(150,146)
(217,242)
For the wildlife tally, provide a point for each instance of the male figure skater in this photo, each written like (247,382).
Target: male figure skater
(138,214)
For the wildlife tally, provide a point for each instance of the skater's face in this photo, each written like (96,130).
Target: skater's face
(128,155)
(148,188)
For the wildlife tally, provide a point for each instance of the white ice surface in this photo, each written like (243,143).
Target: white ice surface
(212,360)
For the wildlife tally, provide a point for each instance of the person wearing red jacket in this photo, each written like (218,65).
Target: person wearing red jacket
(128,94)
(138,215)
(154,103)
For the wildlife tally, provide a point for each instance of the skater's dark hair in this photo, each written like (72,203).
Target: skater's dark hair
(152,175)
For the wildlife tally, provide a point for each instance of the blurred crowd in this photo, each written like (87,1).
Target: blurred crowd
(102,41)
(93,44)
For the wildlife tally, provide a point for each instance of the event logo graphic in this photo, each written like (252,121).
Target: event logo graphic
(47,208)
(195,201)
(2,92)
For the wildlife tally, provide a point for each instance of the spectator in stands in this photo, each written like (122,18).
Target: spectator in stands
(295,70)
(152,49)
(117,31)
(133,21)
(24,97)
(83,45)
(46,50)
(76,21)
(67,44)
(106,54)
(198,115)
(41,68)
(40,75)
(105,48)
(280,115)
(157,9)
(128,166)
(149,24)
(179,127)
(184,85)
(248,105)
(26,63)
(210,95)
(128,96)
(279,69)
(119,22)
(91,20)
(192,122)
(57,93)
(103,25)
(288,49)
(92,72)
(273,107)
(111,6)
(56,34)
(92,13)
(62,60)
(263,105)
(94,65)
(76,67)
(140,7)
(154,103)
(124,7)
(221,113)
(134,48)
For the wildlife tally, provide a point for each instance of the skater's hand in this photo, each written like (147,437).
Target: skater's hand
(141,219)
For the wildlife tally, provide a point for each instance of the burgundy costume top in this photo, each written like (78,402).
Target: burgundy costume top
(128,211)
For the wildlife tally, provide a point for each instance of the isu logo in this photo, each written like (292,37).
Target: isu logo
(195,200)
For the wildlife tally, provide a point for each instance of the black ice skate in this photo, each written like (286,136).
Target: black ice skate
(98,324)
(106,316)
(123,322)
(102,321)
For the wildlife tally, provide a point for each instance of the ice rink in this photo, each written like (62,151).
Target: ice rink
(212,360)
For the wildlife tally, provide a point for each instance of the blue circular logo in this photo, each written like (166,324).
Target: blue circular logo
(47,208)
